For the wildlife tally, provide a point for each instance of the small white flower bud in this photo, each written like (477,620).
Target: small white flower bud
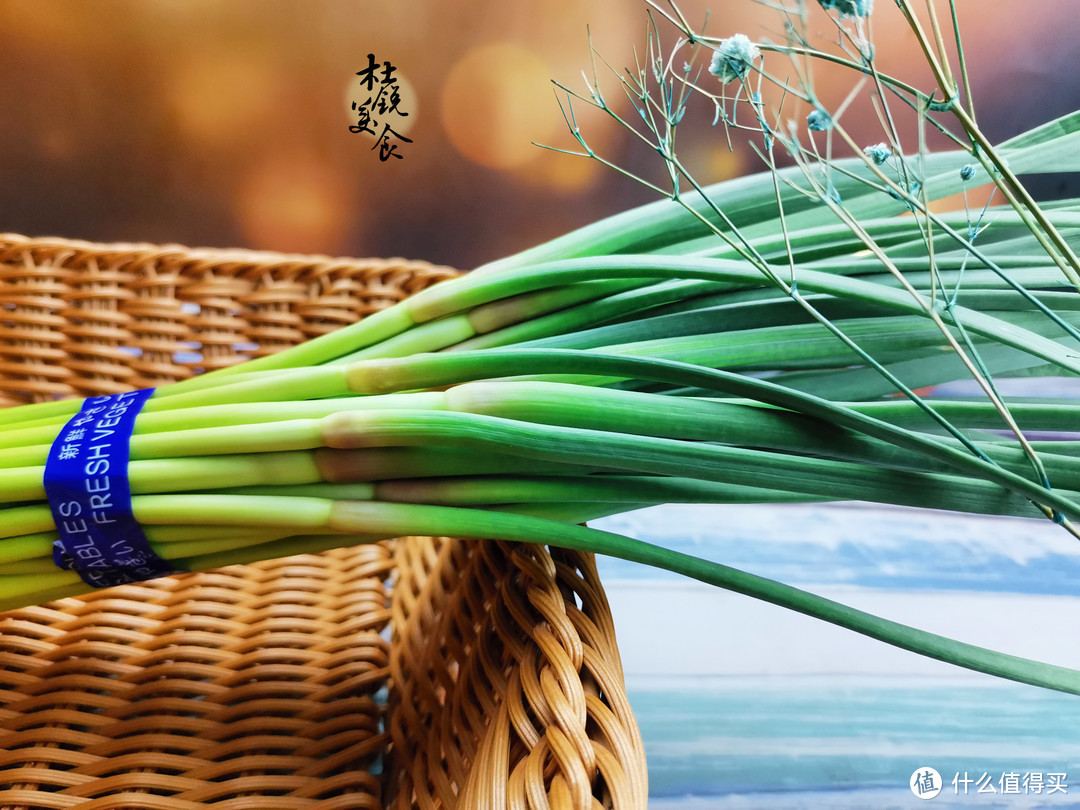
(849,8)
(733,57)
(819,121)
(879,153)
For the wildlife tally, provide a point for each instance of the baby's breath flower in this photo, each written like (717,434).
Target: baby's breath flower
(733,57)
(819,121)
(879,153)
(967,172)
(849,8)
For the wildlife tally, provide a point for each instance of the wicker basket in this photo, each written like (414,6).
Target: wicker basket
(432,673)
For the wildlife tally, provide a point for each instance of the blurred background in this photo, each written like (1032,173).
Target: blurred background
(226,124)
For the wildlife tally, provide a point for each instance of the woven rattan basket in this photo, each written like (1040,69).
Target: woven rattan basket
(432,673)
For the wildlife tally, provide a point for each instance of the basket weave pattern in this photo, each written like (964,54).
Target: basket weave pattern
(487,677)
(72,312)
(251,686)
(510,653)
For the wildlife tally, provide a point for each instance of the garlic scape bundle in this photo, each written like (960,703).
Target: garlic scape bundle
(751,343)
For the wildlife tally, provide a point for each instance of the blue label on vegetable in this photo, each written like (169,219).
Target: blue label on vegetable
(86,482)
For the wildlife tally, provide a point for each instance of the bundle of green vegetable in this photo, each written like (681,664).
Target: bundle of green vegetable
(763,340)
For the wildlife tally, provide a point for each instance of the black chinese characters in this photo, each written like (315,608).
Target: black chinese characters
(381,104)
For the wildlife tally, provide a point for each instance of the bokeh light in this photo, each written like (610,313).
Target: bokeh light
(496,101)
(208,110)
(294,203)
(226,124)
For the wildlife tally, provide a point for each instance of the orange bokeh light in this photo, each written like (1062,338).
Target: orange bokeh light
(496,101)
(295,204)
(219,98)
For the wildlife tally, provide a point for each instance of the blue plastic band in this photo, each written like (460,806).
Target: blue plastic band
(86,482)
